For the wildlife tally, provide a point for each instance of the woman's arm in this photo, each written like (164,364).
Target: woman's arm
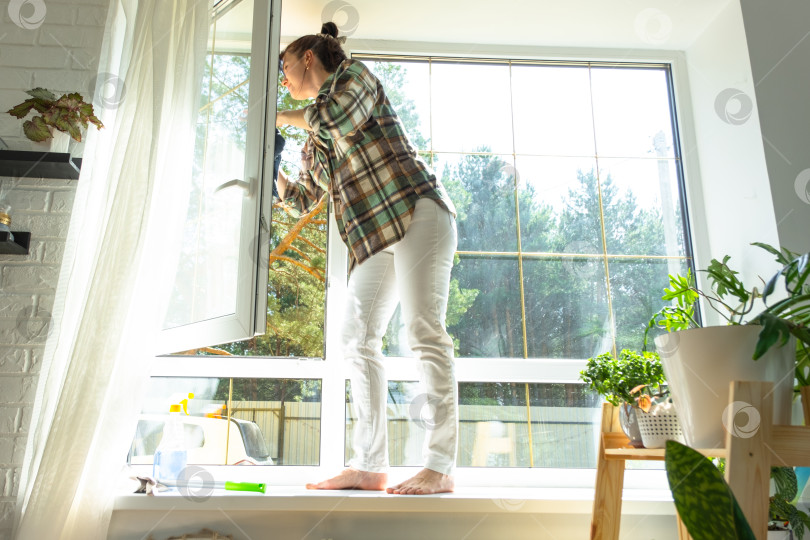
(293,118)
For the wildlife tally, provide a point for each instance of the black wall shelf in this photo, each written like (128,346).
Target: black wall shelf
(19,246)
(28,164)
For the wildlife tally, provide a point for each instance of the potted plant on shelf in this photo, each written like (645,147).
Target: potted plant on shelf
(68,114)
(700,362)
(616,378)
(656,415)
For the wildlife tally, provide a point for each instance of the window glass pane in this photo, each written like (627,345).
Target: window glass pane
(407,85)
(491,326)
(559,205)
(268,422)
(636,286)
(552,110)
(470,106)
(483,191)
(559,428)
(631,112)
(642,207)
(567,312)
(296,286)
(496,428)
(206,286)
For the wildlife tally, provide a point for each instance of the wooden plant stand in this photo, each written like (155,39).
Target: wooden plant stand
(748,462)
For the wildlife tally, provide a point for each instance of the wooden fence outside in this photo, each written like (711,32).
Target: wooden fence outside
(489,436)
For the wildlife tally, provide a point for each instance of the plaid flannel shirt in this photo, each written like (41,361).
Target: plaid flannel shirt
(359,153)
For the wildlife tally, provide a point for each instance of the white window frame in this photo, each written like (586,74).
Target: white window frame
(333,372)
(250,314)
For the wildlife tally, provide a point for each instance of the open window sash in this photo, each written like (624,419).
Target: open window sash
(220,290)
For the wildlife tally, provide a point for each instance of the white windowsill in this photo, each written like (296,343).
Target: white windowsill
(467,499)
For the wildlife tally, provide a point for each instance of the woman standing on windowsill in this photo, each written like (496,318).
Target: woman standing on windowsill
(399,225)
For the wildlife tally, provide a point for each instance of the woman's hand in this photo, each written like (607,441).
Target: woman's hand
(281,118)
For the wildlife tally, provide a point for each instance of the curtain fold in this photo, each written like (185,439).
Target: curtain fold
(113,287)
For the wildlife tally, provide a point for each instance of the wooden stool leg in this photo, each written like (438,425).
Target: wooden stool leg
(607,501)
(748,465)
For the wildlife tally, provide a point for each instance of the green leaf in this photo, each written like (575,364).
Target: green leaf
(70,101)
(773,251)
(73,128)
(41,93)
(773,330)
(36,129)
(22,109)
(784,479)
(704,501)
(770,285)
(802,271)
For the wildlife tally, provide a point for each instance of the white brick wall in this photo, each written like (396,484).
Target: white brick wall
(60,54)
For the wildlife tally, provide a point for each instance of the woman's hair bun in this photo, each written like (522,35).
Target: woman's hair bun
(330,28)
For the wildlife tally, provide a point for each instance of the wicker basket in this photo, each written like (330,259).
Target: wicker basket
(659,426)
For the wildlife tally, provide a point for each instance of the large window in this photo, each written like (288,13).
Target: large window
(568,185)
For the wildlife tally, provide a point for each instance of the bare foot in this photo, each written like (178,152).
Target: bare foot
(353,479)
(425,482)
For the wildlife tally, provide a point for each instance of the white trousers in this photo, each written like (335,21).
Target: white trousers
(414,272)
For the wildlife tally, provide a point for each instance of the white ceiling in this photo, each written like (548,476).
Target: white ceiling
(641,24)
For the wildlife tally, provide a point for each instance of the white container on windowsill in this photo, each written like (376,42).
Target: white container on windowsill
(780,535)
(60,142)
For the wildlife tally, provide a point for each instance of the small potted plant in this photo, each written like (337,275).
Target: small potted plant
(67,114)
(700,362)
(616,378)
(656,415)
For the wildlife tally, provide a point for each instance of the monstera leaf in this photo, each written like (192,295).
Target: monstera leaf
(704,501)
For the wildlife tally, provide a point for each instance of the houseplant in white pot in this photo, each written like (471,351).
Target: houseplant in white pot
(700,362)
(68,114)
(616,379)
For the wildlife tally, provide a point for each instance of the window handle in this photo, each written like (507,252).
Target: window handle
(241,184)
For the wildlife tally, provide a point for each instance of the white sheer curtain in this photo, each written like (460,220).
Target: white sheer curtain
(112,288)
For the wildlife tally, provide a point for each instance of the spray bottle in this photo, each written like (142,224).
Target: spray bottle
(171,456)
